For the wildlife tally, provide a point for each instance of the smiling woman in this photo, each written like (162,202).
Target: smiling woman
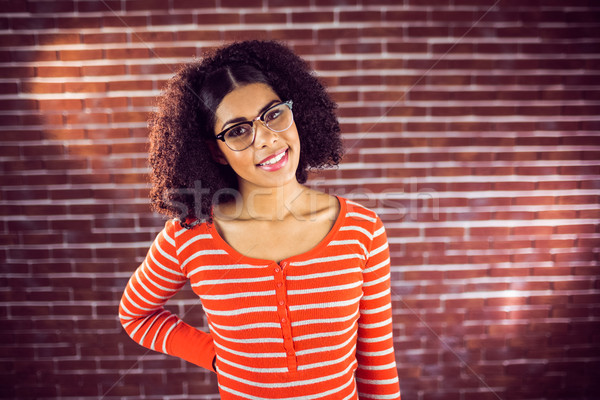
(295,283)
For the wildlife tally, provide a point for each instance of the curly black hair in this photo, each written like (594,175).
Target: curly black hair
(186,180)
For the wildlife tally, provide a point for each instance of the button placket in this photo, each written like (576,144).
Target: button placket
(286,327)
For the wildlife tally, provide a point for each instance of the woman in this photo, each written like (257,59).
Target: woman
(295,283)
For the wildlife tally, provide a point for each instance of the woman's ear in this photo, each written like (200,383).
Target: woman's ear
(216,153)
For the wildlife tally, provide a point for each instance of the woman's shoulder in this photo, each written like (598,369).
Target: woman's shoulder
(355,209)
(176,227)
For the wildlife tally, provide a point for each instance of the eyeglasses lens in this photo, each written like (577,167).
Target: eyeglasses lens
(277,119)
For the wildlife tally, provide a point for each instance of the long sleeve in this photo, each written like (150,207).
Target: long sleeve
(376,376)
(142,311)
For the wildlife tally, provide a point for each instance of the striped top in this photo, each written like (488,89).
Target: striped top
(317,325)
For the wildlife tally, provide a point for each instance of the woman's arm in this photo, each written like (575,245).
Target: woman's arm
(376,376)
(142,312)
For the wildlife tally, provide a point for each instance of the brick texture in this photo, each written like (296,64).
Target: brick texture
(471,127)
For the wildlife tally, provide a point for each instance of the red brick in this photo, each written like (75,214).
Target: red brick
(536,313)
(474,156)
(240,3)
(96,134)
(129,117)
(83,149)
(105,5)
(446,259)
(57,72)
(556,214)
(487,202)
(152,36)
(558,185)
(77,55)
(552,271)
(84,87)
(444,232)
(489,231)
(532,258)
(580,170)
(113,37)
(42,87)
(288,3)
(550,299)
(64,104)
(573,285)
(517,156)
(466,274)
(102,70)
(421,304)
(79,22)
(32,23)
(87,118)
(8,88)
(578,140)
(362,48)
(127,53)
(464,303)
(592,214)
(492,258)
(533,230)
(105,102)
(591,298)
(310,17)
(511,244)
(583,199)
(554,243)
(324,34)
(171,19)
(506,301)
(509,272)
(515,215)
(130,178)
(470,186)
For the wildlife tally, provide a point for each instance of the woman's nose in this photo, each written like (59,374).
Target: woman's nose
(264,136)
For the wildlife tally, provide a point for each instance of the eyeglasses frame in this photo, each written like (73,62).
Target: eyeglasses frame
(221,135)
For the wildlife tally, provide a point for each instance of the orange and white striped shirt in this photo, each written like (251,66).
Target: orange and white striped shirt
(314,326)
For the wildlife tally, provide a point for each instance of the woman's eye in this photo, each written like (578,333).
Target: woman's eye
(238,131)
(271,115)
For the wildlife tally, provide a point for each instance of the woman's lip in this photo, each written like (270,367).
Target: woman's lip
(278,165)
(272,156)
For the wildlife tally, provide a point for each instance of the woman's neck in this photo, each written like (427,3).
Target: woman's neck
(267,204)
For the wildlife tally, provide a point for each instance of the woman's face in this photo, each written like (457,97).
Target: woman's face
(254,166)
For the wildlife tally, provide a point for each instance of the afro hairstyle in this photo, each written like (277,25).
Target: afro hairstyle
(186,180)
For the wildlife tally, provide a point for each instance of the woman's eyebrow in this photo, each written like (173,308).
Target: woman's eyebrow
(242,119)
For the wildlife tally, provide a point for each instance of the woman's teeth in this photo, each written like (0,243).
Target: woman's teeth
(274,159)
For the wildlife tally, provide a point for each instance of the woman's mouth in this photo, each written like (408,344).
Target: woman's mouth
(275,162)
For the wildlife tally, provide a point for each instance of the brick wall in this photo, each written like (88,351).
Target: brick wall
(472,127)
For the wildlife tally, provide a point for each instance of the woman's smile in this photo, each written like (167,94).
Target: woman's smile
(274,162)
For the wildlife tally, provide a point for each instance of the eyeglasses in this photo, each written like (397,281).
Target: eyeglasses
(240,136)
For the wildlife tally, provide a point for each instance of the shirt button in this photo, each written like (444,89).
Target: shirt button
(281,302)
(283,320)
(277,270)
(279,284)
